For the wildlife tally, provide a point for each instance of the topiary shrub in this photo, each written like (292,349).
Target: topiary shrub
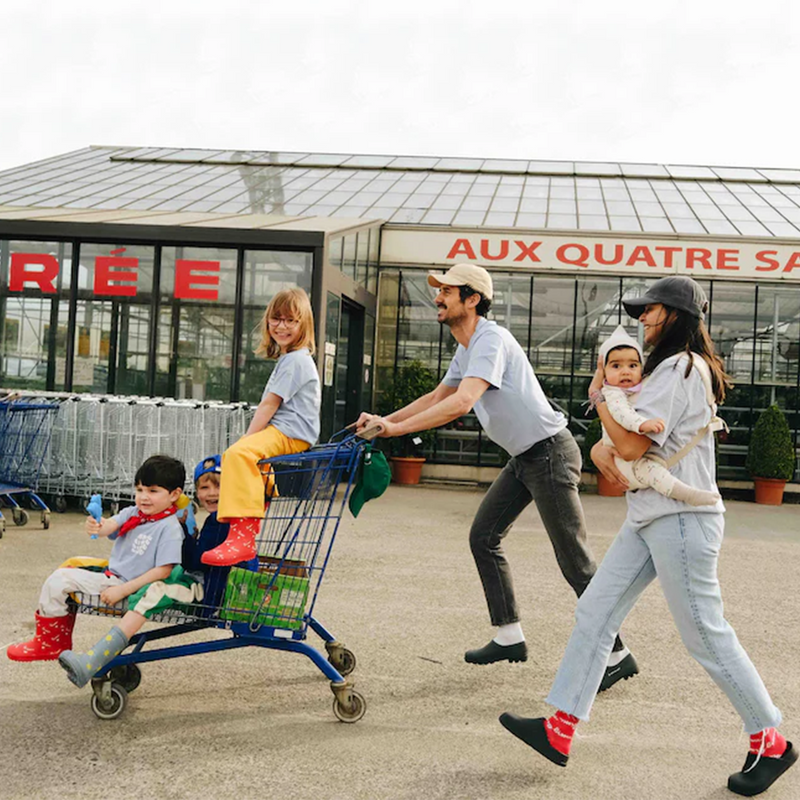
(771,452)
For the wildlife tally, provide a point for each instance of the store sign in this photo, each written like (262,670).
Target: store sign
(115,275)
(627,255)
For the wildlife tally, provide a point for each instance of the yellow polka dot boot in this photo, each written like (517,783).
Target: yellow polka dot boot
(82,667)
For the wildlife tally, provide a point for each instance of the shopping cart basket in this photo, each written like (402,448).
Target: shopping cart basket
(25,428)
(273,607)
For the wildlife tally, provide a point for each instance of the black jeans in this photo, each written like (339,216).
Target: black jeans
(549,474)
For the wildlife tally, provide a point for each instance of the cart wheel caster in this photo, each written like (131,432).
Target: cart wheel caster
(45,519)
(112,707)
(343,659)
(128,677)
(20,516)
(61,504)
(353,710)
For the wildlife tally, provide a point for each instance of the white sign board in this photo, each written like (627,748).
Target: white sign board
(581,254)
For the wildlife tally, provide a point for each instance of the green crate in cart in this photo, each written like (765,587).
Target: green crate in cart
(280,605)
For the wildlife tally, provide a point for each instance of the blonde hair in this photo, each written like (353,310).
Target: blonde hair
(294,304)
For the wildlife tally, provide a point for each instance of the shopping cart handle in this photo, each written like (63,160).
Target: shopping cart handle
(371,432)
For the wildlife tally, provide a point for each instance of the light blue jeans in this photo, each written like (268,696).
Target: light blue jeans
(682,551)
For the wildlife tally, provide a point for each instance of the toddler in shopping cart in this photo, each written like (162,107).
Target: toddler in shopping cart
(148,539)
(187,584)
(286,421)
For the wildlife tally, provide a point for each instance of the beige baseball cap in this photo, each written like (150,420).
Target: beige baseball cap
(470,275)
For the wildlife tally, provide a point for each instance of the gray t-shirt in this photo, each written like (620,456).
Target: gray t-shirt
(296,381)
(513,411)
(683,406)
(148,545)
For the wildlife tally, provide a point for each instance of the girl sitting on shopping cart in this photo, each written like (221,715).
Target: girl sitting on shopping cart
(286,421)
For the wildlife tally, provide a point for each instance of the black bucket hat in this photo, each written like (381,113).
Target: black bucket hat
(675,291)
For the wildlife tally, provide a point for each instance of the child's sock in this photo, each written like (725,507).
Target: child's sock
(509,634)
(560,728)
(768,743)
(692,496)
(81,667)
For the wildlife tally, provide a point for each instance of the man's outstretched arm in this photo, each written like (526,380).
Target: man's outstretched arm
(429,412)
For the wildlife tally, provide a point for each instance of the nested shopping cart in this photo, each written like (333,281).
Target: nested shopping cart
(271,608)
(25,428)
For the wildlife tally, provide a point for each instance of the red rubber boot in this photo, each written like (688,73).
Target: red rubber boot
(53,636)
(239,546)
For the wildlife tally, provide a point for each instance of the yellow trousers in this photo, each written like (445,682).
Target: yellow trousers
(241,489)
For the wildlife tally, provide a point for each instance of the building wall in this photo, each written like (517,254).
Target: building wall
(560,319)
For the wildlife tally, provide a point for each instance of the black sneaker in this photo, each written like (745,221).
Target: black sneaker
(492,652)
(533,733)
(758,774)
(626,668)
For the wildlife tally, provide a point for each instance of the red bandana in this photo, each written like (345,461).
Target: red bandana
(140,519)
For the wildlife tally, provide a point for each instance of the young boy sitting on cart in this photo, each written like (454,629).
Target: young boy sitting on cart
(187,584)
(148,539)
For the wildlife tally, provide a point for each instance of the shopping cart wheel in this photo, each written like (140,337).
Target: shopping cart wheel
(128,677)
(111,707)
(20,516)
(352,708)
(45,519)
(343,659)
(61,504)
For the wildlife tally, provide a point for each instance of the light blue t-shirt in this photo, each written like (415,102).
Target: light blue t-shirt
(513,411)
(296,381)
(682,404)
(149,545)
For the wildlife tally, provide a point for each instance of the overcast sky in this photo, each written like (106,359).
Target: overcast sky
(697,82)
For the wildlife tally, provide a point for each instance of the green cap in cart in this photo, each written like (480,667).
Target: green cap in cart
(374,476)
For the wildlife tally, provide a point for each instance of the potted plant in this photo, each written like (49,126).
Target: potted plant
(411,381)
(771,457)
(594,433)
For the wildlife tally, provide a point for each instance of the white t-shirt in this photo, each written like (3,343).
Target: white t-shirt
(514,410)
(683,405)
(296,381)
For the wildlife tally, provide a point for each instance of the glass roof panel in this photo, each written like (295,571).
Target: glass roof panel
(656,224)
(369,161)
(194,155)
(459,164)
(438,216)
(792,175)
(323,159)
(738,174)
(525,220)
(414,162)
(644,170)
(596,168)
(551,167)
(499,165)
(680,171)
(593,222)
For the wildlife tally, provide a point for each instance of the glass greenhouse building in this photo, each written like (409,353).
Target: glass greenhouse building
(145,271)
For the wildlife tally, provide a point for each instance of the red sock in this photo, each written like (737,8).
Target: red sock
(768,743)
(560,729)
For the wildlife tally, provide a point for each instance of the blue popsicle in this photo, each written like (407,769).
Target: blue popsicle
(95,508)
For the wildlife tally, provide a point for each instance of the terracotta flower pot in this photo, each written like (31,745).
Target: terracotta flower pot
(769,491)
(406,470)
(607,489)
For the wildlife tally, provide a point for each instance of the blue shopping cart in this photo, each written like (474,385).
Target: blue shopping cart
(273,607)
(25,428)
